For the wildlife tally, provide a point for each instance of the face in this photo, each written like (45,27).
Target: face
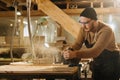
(86,23)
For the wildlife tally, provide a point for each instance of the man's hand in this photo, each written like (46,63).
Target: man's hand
(69,54)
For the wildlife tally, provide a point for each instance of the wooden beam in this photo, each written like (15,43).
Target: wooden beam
(24,13)
(59,16)
(4,8)
(108,10)
(67,11)
(73,11)
(7,2)
(98,10)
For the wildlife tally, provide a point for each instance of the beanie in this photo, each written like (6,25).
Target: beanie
(89,13)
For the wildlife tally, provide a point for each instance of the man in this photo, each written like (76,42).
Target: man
(100,42)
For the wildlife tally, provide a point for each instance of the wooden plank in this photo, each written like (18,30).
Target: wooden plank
(59,16)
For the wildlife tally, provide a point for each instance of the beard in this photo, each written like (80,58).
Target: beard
(92,28)
(89,28)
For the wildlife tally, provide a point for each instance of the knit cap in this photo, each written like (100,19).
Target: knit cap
(89,13)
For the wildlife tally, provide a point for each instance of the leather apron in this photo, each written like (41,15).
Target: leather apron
(105,66)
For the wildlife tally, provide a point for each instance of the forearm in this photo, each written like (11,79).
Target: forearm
(87,53)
